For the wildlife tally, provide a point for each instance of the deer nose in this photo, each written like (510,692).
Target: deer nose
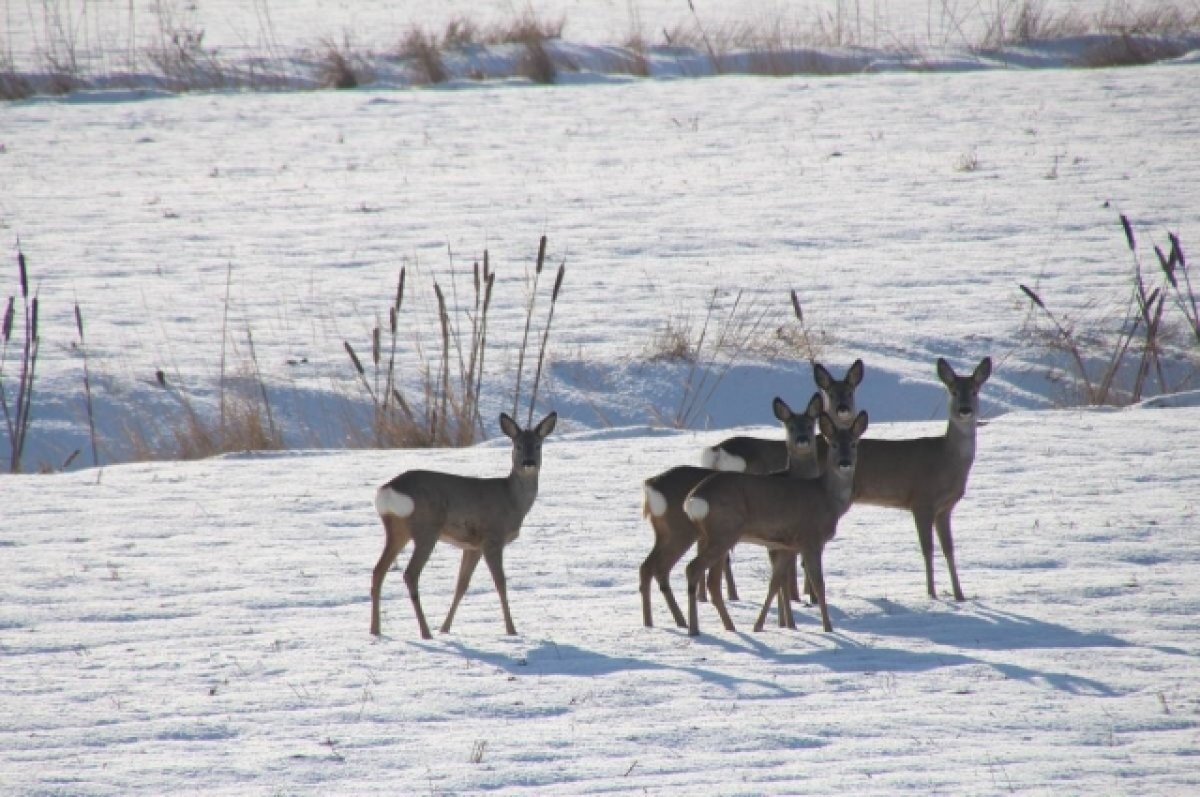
(843,411)
(845,464)
(529,464)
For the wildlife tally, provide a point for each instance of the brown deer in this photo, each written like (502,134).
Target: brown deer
(791,516)
(765,455)
(480,516)
(768,455)
(927,475)
(674,532)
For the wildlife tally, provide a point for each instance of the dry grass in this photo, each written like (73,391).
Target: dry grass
(338,66)
(1120,358)
(1130,50)
(422,50)
(439,403)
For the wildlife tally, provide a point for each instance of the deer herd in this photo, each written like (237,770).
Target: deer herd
(784,495)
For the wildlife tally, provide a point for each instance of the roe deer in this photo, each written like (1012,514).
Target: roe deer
(927,475)
(674,532)
(480,516)
(763,455)
(792,516)
(768,455)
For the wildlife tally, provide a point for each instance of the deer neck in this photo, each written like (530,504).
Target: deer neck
(523,487)
(838,484)
(803,465)
(960,436)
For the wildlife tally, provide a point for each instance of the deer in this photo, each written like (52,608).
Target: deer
(674,531)
(795,517)
(765,455)
(479,515)
(928,475)
(768,455)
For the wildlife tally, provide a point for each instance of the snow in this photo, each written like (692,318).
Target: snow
(183,627)
(201,627)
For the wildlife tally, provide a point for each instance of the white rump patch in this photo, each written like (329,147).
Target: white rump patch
(696,508)
(656,501)
(391,502)
(718,458)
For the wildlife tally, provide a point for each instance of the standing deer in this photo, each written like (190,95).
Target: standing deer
(674,531)
(480,516)
(768,455)
(791,516)
(928,475)
(764,455)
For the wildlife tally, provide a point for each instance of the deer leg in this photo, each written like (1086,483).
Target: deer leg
(422,548)
(775,590)
(707,556)
(645,573)
(924,520)
(808,589)
(392,546)
(714,593)
(946,540)
(494,556)
(792,581)
(816,576)
(659,565)
(729,585)
(466,568)
(784,609)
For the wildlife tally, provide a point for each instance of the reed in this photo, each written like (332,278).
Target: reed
(17,416)
(450,380)
(87,388)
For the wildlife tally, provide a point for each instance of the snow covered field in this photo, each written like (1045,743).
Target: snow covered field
(201,627)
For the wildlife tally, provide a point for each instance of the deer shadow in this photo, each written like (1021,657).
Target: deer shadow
(554,658)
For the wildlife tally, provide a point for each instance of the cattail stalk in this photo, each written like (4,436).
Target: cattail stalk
(444,377)
(1067,338)
(276,438)
(87,387)
(541,258)
(545,337)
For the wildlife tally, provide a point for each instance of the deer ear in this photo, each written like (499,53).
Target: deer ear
(860,425)
(855,374)
(822,376)
(544,428)
(782,410)
(828,427)
(982,371)
(945,372)
(510,427)
(814,406)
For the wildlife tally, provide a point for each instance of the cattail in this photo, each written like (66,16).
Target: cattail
(392,316)
(33,325)
(1168,264)
(87,390)
(375,345)
(545,336)
(1128,233)
(8,320)
(1033,296)
(354,358)
(400,290)
(796,307)
(541,257)
(24,276)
